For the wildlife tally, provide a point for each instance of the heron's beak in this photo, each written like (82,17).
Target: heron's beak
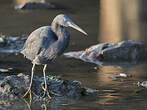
(73,25)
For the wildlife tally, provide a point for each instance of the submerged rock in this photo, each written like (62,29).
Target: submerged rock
(5,70)
(143,84)
(35,5)
(11,44)
(14,87)
(123,51)
(120,75)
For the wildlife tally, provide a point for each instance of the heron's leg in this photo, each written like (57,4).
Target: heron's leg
(45,88)
(45,76)
(29,89)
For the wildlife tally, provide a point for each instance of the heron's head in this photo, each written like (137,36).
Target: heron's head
(65,21)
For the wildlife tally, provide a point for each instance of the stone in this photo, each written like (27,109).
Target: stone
(11,44)
(35,6)
(14,87)
(130,50)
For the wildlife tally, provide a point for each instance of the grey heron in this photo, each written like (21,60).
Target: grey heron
(46,43)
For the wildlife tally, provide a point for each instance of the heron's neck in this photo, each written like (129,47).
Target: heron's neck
(63,37)
(59,31)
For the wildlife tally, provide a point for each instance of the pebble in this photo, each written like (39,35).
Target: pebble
(143,84)
(120,75)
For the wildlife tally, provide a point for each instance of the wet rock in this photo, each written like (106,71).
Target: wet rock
(89,90)
(143,84)
(5,70)
(123,51)
(11,44)
(35,6)
(2,41)
(14,87)
(120,75)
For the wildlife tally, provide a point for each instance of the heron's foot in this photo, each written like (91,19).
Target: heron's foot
(28,104)
(54,93)
(46,93)
(30,94)
(28,91)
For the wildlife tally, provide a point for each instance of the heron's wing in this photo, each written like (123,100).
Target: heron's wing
(37,41)
(50,52)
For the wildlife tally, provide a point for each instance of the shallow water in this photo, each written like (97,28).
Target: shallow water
(113,94)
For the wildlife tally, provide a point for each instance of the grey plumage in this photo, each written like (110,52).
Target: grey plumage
(47,42)
(43,45)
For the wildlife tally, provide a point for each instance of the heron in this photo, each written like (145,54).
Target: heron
(46,43)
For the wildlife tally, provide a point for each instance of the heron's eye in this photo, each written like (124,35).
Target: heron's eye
(64,20)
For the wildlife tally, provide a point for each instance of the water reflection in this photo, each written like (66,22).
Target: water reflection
(121,90)
(136,71)
(120,22)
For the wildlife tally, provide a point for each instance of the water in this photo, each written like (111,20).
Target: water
(113,94)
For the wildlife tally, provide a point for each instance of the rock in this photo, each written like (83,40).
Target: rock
(6,70)
(35,5)
(11,44)
(143,84)
(89,90)
(15,86)
(120,75)
(123,51)
(2,40)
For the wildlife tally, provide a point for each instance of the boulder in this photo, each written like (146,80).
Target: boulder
(35,6)
(124,51)
(14,86)
(11,44)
